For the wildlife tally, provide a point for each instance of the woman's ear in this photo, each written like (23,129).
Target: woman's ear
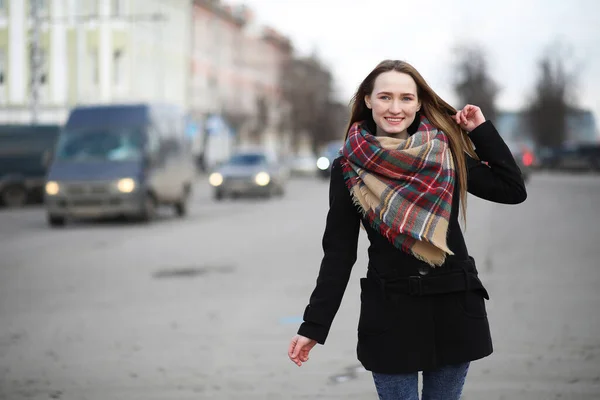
(419,107)
(368,101)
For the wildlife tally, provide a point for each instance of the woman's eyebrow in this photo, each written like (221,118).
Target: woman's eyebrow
(401,94)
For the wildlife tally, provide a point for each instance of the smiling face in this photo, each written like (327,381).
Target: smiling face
(394,103)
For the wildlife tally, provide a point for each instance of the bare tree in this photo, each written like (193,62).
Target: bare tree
(473,83)
(261,120)
(307,88)
(553,97)
(331,124)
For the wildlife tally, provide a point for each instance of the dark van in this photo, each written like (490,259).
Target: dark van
(119,160)
(25,152)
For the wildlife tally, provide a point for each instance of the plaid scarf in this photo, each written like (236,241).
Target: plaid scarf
(403,187)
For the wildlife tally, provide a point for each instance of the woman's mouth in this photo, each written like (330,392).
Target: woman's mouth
(394,121)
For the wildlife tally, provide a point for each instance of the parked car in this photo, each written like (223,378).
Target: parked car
(591,153)
(25,153)
(573,157)
(114,160)
(329,153)
(250,172)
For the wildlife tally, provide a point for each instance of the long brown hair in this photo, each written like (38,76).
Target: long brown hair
(436,110)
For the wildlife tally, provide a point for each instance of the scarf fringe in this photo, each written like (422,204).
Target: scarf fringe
(428,261)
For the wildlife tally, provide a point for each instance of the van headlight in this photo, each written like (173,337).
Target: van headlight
(52,188)
(262,179)
(126,185)
(323,163)
(215,179)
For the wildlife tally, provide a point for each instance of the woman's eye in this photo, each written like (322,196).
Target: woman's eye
(407,98)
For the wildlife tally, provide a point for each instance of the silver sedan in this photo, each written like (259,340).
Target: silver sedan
(249,173)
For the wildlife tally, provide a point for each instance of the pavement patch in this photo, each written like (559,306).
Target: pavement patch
(192,272)
(349,374)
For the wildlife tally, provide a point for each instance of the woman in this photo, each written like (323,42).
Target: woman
(404,170)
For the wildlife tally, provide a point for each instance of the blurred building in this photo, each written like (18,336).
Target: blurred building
(209,57)
(236,68)
(93,51)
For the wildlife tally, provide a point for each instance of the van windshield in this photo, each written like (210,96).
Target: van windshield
(247,159)
(98,144)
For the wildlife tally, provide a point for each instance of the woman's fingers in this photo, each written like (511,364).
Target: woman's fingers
(292,346)
(304,355)
(471,112)
(294,350)
(457,116)
(299,349)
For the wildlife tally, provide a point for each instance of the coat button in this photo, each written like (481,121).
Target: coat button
(424,269)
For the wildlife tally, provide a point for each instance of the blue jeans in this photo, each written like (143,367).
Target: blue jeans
(445,383)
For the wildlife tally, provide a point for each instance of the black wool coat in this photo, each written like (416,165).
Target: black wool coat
(401,332)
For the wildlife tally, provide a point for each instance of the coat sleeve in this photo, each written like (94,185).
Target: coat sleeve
(496,177)
(340,242)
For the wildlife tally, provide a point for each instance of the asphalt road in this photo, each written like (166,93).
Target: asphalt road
(204,307)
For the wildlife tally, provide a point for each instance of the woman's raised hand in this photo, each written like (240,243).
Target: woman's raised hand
(469,118)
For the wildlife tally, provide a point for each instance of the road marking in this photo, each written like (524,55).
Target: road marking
(291,320)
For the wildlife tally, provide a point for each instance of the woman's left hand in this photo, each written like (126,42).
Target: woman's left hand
(469,117)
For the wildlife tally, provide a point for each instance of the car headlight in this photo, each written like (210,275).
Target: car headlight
(215,179)
(126,185)
(52,188)
(323,163)
(262,179)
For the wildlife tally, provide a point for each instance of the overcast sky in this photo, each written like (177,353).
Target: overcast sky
(352,36)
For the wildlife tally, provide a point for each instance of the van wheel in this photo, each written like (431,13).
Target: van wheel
(181,207)
(56,221)
(219,195)
(149,211)
(14,196)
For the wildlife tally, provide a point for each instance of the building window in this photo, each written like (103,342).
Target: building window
(116,8)
(118,67)
(2,6)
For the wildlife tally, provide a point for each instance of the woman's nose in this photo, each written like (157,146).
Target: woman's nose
(396,107)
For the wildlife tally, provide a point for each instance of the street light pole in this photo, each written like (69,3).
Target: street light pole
(80,46)
(35,60)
